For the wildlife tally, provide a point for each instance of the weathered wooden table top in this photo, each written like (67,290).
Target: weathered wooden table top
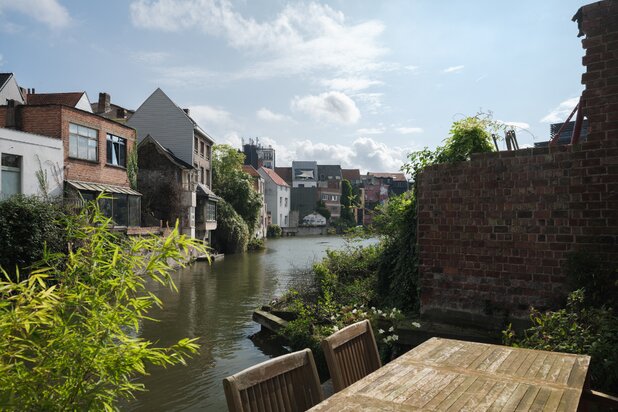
(452,375)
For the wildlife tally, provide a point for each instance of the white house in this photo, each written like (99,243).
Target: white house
(9,89)
(314,219)
(277,195)
(31,164)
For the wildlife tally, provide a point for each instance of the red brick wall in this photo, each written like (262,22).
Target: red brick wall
(53,120)
(494,233)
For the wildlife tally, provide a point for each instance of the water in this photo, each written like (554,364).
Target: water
(215,303)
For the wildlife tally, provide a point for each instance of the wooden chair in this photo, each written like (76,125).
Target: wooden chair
(351,354)
(286,383)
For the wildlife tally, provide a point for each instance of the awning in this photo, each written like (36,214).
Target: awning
(203,190)
(100,187)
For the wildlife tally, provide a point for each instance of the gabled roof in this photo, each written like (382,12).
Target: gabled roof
(397,177)
(166,152)
(350,174)
(274,176)
(66,99)
(329,170)
(250,170)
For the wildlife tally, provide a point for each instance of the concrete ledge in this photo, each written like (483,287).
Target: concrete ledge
(269,321)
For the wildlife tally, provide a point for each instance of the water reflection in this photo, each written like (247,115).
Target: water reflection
(215,303)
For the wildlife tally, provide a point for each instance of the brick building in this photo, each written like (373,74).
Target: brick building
(95,153)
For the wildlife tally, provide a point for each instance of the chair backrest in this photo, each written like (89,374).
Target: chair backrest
(286,383)
(351,354)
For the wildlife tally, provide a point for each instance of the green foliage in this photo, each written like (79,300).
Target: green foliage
(28,225)
(132,167)
(69,333)
(273,231)
(232,234)
(467,136)
(580,329)
(320,207)
(255,244)
(347,200)
(397,270)
(234,185)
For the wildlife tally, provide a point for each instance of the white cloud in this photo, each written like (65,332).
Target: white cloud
(371,130)
(49,12)
(233,139)
(333,107)
(206,116)
(371,101)
(560,113)
(350,83)
(301,38)
(408,130)
(453,69)
(270,116)
(411,68)
(517,125)
(151,57)
(184,76)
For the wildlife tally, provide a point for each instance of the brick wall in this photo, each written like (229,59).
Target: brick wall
(53,120)
(494,233)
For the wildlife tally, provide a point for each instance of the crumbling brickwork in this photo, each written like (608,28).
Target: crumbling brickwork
(494,233)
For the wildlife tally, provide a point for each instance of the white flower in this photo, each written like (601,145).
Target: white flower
(354,311)
(335,328)
(395,337)
(373,308)
(380,331)
(391,329)
(416,324)
(379,312)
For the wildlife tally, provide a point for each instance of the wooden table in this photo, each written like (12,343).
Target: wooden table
(446,374)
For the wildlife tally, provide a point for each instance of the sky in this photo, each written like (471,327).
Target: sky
(360,83)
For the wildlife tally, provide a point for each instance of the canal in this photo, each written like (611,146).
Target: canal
(215,303)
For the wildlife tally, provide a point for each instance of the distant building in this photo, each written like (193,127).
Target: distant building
(259,186)
(378,187)
(10,90)
(78,100)
(314,219)
(105,108)
(329,188)
(277,195)
(566,134)
(23,156)
(304,173)
(285,173)
(352,175)
(258,156)
(172,127)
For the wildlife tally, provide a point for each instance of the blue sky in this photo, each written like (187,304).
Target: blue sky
(361,83)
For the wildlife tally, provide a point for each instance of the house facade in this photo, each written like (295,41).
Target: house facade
(172,127)
(329,188)
(10,90)
(278,197)
(30,164)
(95,154)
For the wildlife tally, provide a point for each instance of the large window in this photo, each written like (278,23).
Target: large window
(116,150)
(123,209)
(83,142)
(211,211)
(11,175)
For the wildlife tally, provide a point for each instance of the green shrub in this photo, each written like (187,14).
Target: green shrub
(273,231)
(579,329)
(255,244)
(232,234)
(27,226)
(69,333)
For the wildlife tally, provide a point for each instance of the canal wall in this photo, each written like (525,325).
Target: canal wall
(495,233)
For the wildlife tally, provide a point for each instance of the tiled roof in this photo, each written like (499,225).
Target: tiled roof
(350,174)
(329,170)
(274,176)
(397,177)
(65,99)
(285,173)
(250,170)
(4,77)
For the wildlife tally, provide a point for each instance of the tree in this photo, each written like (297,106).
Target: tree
(69,334)
(234,185)
(347,200)
(232,234)
(320,207)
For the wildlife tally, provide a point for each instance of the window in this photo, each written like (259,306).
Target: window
(207,178)
(202,151)
(202,175)
(125,210)
(116,150)
(195,143)
(211,211)
(286,220)
(324,196)
(286,202)
(11,175)
(280,200)
(207,151)
(83,142)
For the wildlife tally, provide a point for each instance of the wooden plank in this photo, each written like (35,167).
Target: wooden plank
(446,392)
(525,365)
(548,363)
(457,393)
(480,385)
(503,397)
(536,366)
(528,398)
(554,400)
(540,400)
(565,371)
(578,373)
(515,398)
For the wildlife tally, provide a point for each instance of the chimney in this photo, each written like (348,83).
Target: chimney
(104,103)
(186,111)
(11,114)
